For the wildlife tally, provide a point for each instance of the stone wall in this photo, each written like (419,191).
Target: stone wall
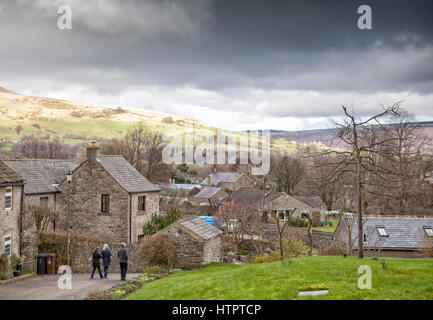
(82,264)
(9,218)
(270,235)
(212,250)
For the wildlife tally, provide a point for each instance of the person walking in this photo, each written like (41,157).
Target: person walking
(96,261)
(122,254)
(106,258)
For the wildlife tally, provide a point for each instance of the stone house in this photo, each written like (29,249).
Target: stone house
(210,195)
(396,236)
(227,181)
(195,242)
(42,178)
(107,197)
(274,201)
(11,198)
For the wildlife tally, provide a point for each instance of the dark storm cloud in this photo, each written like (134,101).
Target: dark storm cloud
(245,54)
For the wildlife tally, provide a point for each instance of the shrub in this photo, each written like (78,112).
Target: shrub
(293,248)
(157,250)
(298,222)
(273,256)
(333,248)
(4,263)
(159,222)
(6,276)
(176,270)
(153,270)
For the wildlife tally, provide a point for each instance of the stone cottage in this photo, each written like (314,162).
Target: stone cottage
(42,178)
(275,201)
(227,181)
(107,197)
(391,236)
(195,241)
(11,197)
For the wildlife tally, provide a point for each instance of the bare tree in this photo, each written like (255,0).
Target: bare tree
(142,148)
(35,147)
(232,215)
(287,171)
(359,135)
(281,228)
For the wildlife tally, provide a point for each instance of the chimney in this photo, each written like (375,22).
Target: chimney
(92,151)
(208,180)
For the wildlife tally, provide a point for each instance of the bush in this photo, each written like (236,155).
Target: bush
(176,270)
(6,276)
(153,270)
(159,222)
(293,248)
(273,256)
(4,264)
(333,248)
(157,250)
(298,222)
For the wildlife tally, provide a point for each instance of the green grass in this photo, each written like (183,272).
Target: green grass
(327,227)
(402,279)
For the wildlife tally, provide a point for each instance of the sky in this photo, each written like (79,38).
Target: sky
(239,65)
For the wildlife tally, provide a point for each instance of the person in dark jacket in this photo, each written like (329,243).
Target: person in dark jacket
(106,258)
(96,261)
(122,254)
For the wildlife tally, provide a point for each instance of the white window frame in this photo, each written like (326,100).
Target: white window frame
(382,231)
(7,242)
(428,231)
(9,193)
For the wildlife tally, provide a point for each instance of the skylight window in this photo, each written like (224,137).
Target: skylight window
(429,231)
(382,232)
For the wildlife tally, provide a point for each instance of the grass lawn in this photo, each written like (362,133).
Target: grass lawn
(402,279)
(327,227)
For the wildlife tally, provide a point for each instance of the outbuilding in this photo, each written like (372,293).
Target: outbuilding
(195,242)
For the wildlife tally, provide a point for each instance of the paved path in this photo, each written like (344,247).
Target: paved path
(45,287)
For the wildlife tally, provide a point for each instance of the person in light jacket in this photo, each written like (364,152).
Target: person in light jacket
(106,258)
(122,254)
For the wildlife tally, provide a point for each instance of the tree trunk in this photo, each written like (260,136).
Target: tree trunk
(359,194)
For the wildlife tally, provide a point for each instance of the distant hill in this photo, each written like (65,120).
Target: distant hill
(324,136)
(76,122)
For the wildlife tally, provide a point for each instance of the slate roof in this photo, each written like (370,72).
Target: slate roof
(7,175)
(126,175)
(403,233)
(41,174)
(200,227)
(217,177)
(253,198)
(313,201)
(207,192)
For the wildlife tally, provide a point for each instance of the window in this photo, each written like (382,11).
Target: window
(428,231)
(8,198)
(141,203)
(7,245)
(382,232)
(105,203)
(44,201)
